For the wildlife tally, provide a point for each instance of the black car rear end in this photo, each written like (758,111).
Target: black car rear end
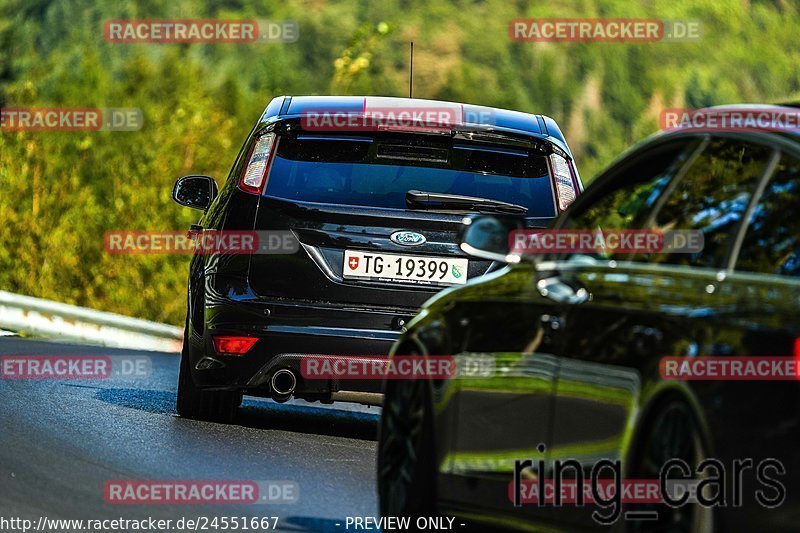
(373,216)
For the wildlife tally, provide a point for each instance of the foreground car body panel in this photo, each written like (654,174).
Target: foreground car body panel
(594,406)
(605,385)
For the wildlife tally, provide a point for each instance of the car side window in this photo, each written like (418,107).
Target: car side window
(633,190)
(772,242)
(712,197)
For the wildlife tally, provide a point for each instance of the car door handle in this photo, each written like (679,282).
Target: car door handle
(560,292)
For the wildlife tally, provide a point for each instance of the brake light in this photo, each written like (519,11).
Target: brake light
(234,345)
(562,180)
(797,356)
(255,172)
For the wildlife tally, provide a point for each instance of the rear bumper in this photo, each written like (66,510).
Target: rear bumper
(285,331)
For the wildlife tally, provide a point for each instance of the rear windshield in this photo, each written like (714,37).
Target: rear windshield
(378,172)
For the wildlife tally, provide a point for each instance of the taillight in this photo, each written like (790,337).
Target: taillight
(234,345)
(255,173)
(562,179)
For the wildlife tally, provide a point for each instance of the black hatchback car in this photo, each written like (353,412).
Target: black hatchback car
(373,208)
(577,344)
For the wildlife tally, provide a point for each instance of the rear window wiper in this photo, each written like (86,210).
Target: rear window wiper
(431,201)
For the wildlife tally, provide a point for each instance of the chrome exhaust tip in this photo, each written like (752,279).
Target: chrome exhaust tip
(283,383)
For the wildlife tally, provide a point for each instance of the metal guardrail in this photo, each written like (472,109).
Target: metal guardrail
(37,316)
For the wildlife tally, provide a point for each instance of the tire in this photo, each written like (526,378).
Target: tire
(672,432)
(197,404)
(406,464)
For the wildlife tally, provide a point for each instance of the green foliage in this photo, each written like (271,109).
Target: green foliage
(61,191)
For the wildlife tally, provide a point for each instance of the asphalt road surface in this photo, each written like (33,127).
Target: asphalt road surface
(61,441)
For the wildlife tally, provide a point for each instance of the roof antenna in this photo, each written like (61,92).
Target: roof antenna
(411,74)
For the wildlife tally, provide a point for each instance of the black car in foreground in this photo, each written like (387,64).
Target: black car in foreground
(367,195)
(577,343)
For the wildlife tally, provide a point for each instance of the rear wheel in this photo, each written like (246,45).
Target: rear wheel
(672,433)
(198,404)
(406,465)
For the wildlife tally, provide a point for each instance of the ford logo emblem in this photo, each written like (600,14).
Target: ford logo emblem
(407,238)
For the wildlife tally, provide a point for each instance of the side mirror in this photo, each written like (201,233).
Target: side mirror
(487,237)
(195,191)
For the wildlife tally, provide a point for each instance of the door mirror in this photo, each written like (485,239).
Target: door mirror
(487,237)
(195,191)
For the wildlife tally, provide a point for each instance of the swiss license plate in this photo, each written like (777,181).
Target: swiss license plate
(405,268)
